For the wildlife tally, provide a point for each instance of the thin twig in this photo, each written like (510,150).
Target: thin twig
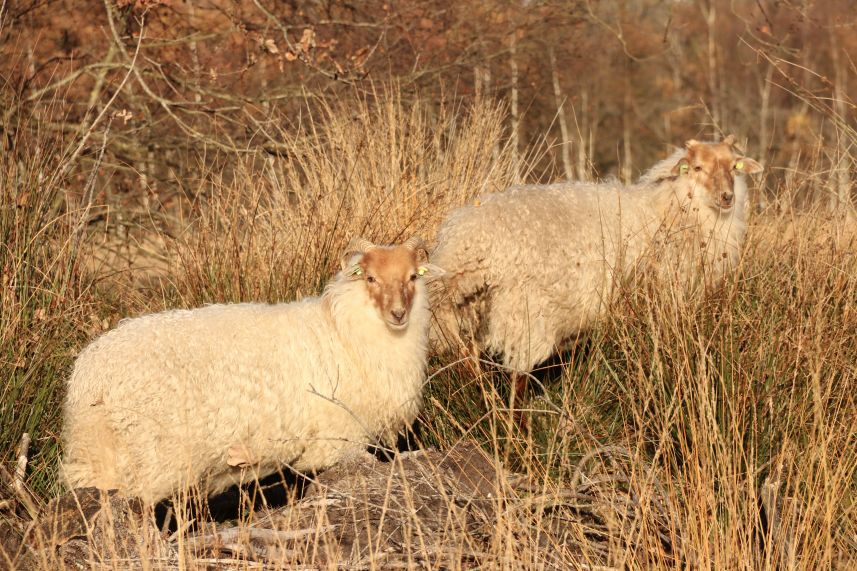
(178,532)
(233,535)
(131,69)
(220,563)
(21,467)
(24,495)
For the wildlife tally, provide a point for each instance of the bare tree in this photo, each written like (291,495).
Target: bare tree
(513,103)
(565,143)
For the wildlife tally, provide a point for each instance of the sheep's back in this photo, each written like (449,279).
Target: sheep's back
(547,235)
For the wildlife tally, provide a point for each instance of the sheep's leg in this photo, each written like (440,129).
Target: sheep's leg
(516,395)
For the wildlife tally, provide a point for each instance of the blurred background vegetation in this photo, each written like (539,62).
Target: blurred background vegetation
(598,88)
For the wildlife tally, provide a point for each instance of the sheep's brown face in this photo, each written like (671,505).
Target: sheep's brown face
(713,167)
(391,276)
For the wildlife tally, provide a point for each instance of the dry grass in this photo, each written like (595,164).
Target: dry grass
(376,168)
(46,306)
(716,435)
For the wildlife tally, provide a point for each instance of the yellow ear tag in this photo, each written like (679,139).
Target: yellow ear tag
(739,165)
(357,271)
(683,169)
(422,270)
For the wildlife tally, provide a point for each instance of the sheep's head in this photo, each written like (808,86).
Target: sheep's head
(713,167)
(391,274)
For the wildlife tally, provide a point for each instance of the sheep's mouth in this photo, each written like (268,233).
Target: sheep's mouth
(397,326)
(725,205)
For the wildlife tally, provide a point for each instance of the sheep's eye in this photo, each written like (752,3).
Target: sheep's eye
(697,168)
(370,279)
(413,277)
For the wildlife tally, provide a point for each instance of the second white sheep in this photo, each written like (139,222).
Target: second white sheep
(528,269)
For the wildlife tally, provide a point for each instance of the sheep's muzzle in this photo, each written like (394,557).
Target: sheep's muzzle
(391,275)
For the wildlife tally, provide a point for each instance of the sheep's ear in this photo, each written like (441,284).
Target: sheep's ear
(681,168)
(747,165)
(691,143)
(350,260)
(729,140)
(353,272)
(430,271)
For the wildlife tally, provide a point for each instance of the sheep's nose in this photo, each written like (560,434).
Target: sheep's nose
(398,314)
(726,197)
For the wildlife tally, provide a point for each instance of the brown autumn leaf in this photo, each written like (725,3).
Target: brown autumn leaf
(239,455)
(307,40)
(271,46)
(359,57)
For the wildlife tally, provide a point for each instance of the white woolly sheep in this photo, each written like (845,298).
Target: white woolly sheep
(196,396)
(528,269)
